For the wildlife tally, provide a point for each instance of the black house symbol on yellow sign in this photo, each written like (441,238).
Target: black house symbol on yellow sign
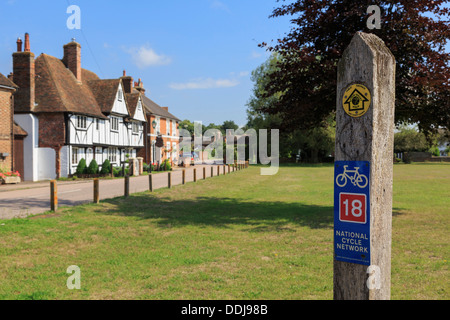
(356,101)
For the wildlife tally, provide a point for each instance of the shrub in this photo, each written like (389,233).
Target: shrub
(166,165)
(81,168)
(106,167)
(93,167)
(117,171)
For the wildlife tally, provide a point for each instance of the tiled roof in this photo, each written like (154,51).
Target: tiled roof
(152,108)
(105,92)
(132,101)
(57,90)
(4,81)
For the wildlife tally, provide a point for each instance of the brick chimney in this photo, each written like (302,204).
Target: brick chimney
(127,82)
(24,76)
(139,86)
(72,58)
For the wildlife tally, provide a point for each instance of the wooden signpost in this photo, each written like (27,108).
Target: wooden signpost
(96,191)
(363,170)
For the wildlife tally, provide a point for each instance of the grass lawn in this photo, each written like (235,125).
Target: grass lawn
(240,236)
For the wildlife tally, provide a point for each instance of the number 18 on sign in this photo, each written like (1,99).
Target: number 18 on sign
(352,212)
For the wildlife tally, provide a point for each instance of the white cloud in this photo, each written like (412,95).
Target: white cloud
(207,83)
(216,4)
(145,56)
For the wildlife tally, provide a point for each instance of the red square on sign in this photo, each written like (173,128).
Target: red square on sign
(352,208)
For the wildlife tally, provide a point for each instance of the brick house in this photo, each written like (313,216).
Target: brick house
(163,138)
(71,114)
(7,88)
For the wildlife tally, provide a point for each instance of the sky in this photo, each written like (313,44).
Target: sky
(194,57)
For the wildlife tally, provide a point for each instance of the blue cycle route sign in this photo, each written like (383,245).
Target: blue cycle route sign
(352,212)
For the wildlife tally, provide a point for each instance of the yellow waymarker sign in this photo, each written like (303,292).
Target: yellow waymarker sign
(356,101)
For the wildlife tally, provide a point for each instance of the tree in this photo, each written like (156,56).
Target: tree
(228,124)
(409,139)
(306,71)
(315,143)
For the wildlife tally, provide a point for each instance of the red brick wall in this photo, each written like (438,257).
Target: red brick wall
(6,128)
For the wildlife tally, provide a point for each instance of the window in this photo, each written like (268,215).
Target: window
(120,95)
(174,128)
(135,127)
(114,124)
(74,155)
(168,127)
(81,122)
(158,125)
(112,154)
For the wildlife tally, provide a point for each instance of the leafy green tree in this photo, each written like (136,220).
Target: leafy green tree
(415,31)
(410,139)
(315,143)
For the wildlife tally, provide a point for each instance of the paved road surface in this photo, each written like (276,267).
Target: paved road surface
(19,201)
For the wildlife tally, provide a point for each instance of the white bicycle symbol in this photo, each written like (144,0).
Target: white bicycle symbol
(356,179)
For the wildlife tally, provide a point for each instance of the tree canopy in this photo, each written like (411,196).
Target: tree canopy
(305,75)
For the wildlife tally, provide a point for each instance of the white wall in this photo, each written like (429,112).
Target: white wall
(65,162)
(47,164)
(30,124)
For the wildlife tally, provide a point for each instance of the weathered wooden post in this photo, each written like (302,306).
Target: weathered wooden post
(53,196)
(150,182)
(363,170)
(183,178)
(204,173)
(169,179)
(96,191)
(195,174)
(228,169)
(212,171)
(218,170)
(127,186)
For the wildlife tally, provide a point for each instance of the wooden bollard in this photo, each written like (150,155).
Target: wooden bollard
(228,168)
(212,172)
(195,174)
(223,170)
(364,170)
(150,182)
(204,173)
(218,170)
(127,186)
(53,196)
(183,177)
(169,179)
(96,191)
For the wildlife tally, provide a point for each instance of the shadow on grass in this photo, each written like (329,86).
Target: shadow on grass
(222,212)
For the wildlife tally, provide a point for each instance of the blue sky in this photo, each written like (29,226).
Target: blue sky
(193,56)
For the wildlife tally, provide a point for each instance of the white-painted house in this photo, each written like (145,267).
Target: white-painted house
(70,114)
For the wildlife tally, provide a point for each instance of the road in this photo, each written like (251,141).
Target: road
(20,201)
